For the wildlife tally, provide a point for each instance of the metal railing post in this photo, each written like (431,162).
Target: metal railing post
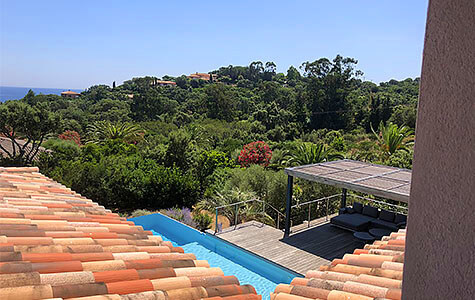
(288,206)
(236,216)
(216,225)
(343,198)
(278,221)
(309,206)
(326,218)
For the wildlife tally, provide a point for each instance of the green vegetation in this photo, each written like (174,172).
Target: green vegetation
(102,131)
(140,145)
(203,221)
(29,123)
(392,138)
(309,153)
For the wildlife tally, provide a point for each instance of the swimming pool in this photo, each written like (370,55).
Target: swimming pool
(247,267)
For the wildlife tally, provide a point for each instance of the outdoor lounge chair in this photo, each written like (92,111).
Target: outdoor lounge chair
(361,218)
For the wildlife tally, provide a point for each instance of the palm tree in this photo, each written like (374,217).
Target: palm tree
(279,159)
(104,130)
(309,153)
(392,138)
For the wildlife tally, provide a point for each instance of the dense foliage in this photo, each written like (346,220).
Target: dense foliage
(144,145)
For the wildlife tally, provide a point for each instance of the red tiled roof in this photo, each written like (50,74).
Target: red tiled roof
(197,75)
(166,82)
(55,243)
(374,272)
(69,93)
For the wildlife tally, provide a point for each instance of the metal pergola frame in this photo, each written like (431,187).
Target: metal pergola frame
(379,180)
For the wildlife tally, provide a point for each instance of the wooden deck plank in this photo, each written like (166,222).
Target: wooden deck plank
(304,250)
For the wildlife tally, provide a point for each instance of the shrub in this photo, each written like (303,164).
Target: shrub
(255,153)
(61,152)
(141,212)
(208,162)
(266,184)
(128,182)
(182,215)
(70,135)
(203,221)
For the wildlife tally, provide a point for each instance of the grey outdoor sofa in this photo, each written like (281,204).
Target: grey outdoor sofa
(363,217)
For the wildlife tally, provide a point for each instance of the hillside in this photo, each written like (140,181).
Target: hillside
(175,141)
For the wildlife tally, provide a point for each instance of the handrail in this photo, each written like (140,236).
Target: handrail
(316,200)
(309,203)
(380,202)
(264,204)
(257,200)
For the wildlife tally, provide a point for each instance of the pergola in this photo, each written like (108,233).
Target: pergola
(383,181)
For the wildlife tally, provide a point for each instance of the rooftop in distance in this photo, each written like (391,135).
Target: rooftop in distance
(70,94)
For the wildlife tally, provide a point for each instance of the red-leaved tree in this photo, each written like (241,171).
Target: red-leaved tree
(70,135)
(257,153)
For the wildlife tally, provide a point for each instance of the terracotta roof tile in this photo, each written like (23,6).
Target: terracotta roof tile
(56,244)
(371,273)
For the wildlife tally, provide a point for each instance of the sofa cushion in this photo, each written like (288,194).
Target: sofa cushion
(400,218)
(387,215)
(355,222)
(378,223)
(350,210)
(358,207)
(370,211)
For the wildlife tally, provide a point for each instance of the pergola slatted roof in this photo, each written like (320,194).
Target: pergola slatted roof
(384,181)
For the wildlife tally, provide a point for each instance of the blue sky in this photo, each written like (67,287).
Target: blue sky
(76,44)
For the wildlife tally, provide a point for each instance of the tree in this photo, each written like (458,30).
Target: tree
(404,115)
(269,70)
(309,153)
(256,68)
(102,131)
(220,101)
(293,74)
(392,138)
(179,150)
(26,127)
(328,86)
(110,110)
(208,162)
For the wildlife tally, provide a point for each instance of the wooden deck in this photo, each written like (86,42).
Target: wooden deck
(302,251)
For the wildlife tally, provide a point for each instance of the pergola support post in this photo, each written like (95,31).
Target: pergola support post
(290,185)
(343,198)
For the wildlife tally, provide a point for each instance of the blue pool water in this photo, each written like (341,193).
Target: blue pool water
(264,275)
(262,285)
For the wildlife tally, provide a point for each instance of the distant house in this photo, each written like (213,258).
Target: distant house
(166,83)
(70,94)
(156,81)
(202,76)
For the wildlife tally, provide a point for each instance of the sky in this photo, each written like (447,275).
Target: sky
(77,44)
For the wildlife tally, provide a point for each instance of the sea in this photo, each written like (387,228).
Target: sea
(15,93)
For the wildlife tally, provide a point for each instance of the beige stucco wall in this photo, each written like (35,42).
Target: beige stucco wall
(440,245)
